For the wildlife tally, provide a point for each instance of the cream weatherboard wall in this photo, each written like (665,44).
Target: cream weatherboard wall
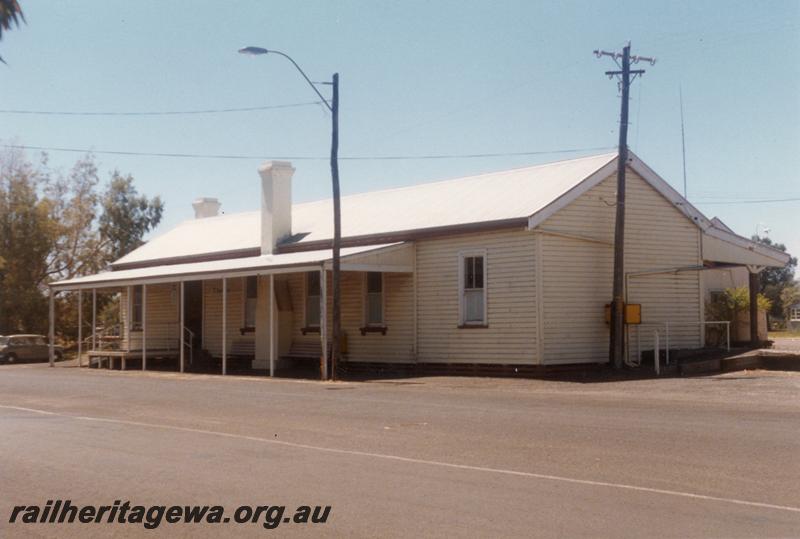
(511,333)
(212,315)
(577,262)
(162,318)
(397,345)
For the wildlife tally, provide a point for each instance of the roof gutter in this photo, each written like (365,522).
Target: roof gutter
(405,235)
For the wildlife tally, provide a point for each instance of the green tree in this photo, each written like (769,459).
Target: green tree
(77,248)
(126,216)
(790,296)
(10,13)
(26,234)
(57,226)
(774,280)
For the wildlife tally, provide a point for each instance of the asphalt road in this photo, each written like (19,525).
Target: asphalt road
(433,457)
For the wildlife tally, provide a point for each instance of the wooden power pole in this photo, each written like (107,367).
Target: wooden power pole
(617,340)
(337,230)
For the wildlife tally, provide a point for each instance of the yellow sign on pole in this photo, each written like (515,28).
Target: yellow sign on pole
(633,313)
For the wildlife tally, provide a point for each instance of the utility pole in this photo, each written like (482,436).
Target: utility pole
(337,227)
(617,340)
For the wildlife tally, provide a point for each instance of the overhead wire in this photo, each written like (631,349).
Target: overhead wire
(156,113)
(307,157)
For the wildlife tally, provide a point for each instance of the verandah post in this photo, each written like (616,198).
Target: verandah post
(323,322)
(144,327)
(94,321)
(80,328)
(272,342)
(224,325)
(51,330)
(181,329)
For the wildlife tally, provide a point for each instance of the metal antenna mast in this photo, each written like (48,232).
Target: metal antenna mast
(683,146)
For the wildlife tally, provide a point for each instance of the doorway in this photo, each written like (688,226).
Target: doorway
(193,310)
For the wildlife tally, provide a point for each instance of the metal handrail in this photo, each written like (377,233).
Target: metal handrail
(666,326)
(727,325)
(100,335)
(189,342)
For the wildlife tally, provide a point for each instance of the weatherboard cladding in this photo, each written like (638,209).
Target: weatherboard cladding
(511,335)
(577,273)
(212,315)
(162,318)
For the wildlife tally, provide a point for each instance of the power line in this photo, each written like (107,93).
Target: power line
(155,113)
(754,201)
(307,157)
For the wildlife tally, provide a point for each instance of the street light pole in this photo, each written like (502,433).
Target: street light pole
(333,107)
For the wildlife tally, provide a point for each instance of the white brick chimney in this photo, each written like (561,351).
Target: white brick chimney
(205,207)
(276,203)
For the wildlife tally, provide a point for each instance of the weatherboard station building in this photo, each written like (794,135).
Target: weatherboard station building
(511,269)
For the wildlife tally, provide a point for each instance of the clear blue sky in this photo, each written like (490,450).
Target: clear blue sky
(417,77)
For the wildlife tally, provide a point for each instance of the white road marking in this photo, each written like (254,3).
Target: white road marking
(410,460)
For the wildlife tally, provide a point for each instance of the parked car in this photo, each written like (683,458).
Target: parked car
(16,348)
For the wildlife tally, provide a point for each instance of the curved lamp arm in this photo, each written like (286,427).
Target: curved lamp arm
(255,51)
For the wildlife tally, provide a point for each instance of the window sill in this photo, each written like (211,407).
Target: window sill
(473,326)
(373,329)
(309,329)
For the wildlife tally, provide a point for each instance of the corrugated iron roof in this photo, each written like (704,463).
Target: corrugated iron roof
(495,196)
(175,272)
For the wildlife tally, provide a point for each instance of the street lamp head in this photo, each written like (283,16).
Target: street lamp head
(253,50)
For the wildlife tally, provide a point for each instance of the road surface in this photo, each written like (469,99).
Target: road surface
(426,457)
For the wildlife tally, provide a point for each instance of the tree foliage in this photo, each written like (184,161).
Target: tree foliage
(26,231)
(732,301)
(127,216)
(55,226)
(774,280)
(790,296)
(10,14)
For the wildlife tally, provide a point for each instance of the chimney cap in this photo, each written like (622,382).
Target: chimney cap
(206,207)
(268,165)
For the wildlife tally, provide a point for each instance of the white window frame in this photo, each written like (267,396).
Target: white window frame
(365,285)
(462,307)
(794,314)
(244,302)
(305,300)
(134,324)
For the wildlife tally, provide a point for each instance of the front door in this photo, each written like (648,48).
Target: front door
(193,310)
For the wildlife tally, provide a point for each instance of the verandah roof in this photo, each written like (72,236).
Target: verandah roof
(387,257)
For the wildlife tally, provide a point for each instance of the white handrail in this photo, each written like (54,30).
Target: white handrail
(666,326)
(189,343)
(727,325)
(656,353)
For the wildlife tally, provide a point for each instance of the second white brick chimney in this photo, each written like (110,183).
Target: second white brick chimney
(206,207)
(276,203)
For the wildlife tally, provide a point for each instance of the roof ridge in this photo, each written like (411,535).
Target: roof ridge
(460,178)
(405,187)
